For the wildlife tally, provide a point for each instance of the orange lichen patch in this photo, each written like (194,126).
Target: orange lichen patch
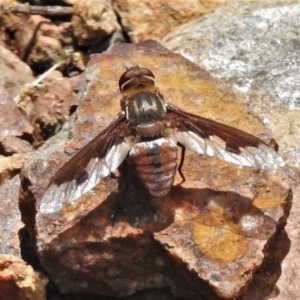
(210,100)
(220,243)
(215,233)
(268,199)
(271,195)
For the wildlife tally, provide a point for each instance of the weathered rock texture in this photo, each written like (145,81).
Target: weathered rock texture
(93,20)
(207,239)
(18,281)
(257,54)
(47,104)
(15,130)
(10,217)
(142,20)
(254,48)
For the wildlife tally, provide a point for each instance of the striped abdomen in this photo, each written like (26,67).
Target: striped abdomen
(155,162)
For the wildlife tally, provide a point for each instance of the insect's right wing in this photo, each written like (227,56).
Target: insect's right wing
(211,138)
(87,167)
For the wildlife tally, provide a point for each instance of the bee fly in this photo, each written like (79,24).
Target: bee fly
(148,131)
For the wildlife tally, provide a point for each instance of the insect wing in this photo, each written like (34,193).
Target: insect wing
(211,138)
(87,167)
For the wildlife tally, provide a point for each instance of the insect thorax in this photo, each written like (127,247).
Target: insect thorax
(146,112)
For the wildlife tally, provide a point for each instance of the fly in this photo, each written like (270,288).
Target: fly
(148,131)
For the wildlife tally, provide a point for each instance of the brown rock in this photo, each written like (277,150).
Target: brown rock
(14,74)
(11,118)
(47,50)
(47,104)
(15,130)
(272,93)
(12,145)
(11,165)
(10,217)
(18,281)
(37,40)
(287,286)
(144,20)
(205,240)
(51,107)
(93,20)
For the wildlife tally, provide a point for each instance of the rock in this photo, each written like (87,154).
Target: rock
(93,20)
(10,220)
(14,123)
(14,74)
(18,281)
(12,145)
(37,40)
(15,130)
(11,165)
(51,106)
(255,63)
(286,287)
(46,104)
(161,294)
(47,50)
(205,240)
(144,20)
(254,53)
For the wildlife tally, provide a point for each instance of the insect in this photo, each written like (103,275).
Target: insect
(148,131)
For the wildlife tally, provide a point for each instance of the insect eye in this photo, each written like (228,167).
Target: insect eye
(135,77)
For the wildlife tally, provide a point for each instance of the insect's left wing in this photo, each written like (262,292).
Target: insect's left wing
(87,167)
(211,138)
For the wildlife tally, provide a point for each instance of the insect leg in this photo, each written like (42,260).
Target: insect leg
(181,163)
